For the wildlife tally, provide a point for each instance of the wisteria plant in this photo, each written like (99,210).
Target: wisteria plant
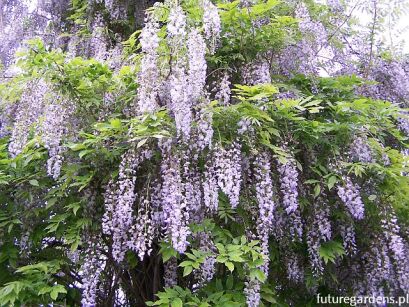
(228,153)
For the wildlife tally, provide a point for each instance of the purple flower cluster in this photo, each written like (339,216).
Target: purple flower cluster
(53,128)
(170,275)
(29,109)
(223,90)
(149,74)
(348,236)
(90,272)
(228,171)
(360,151)
(174,203)
(210,187)
(252,292)
(207,269)
(204,128)
(264,191)
(197,65)
(319,232)
(118,218)
(397,248)
(295,272)
(142,231)
(289,185)
(350,196)
(211,24)
(245,126)
(257,72)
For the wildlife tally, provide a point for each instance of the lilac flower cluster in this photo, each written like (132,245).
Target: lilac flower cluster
(228,171)
(348,237)
(252,292)
(118,218)
(204,128)
(360,151)
(397,248)
(289,185)
(210,187)
(90,272)
(174,203)
(319,232)
(264,191)
(295,272)
(211,24)
(197,64)
(245,126)
(116,9)
(149,74)
(207,269)
(53,128)
(180,103)
(392,81)
(350,196)
(142,231)
(223,90)
(266,206)
(29,109)
(170,276)
(99,42)
(192,189)
(122,216)
(257,72)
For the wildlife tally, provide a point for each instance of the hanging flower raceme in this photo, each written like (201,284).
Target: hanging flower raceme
(197,65)
(350,196)
(398,249)
(192,188)
(29,110)
(210,187)
(295,272)
(289,185)
(211,24)
(288,179)
(252,292)
(348,237)
(174,204)
(118,218)
(228,171)
(266,206)
(170,276)
(149,75)
(223,90)
(360,150)
(91,270)
(207,269)
(142,231)
(204,127)
(319,232)
(264,191)
(53,128)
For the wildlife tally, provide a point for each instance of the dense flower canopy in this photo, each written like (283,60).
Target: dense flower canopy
(203,153)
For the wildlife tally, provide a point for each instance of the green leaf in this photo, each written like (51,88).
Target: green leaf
(34,182)
(177,302)
(317,190)
(57,290)
(186,263)
(372,197)
(330,250)
(332,181)
(187,270)
(230,266)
